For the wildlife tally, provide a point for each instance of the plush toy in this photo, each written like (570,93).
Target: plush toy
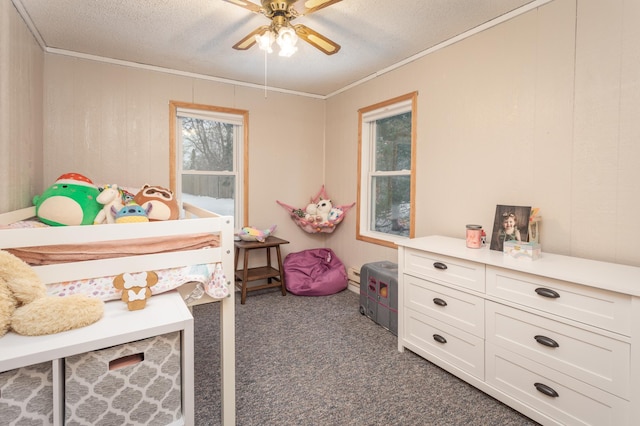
(127,197)
(110,197)
(26,309)
(323,210)
(335,214)
(249,233)
(165,205)
(311,213)
(71,200)
(135,288)
(132,213)
(320,215)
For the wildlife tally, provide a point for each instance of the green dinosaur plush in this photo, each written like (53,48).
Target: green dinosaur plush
(71,200)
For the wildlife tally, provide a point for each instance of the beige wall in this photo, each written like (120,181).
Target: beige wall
(540,110)
(536,111)
(110,122)
(21,68)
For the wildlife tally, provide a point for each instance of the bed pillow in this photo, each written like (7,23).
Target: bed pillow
(314,272)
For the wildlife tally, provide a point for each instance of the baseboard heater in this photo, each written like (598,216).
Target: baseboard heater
(353,274)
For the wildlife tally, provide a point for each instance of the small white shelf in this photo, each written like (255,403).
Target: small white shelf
(164,313)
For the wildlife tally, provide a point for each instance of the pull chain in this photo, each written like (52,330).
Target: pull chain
(265,74)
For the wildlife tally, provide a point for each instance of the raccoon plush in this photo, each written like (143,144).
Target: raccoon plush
(165,205)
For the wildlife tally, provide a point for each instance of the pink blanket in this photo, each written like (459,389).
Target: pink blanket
(46,255)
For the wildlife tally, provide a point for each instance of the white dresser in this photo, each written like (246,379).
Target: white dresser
(553,338)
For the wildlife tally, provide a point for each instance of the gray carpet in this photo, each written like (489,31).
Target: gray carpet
(318,361)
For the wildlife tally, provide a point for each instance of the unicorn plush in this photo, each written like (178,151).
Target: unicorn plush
(249,233)
(110,196)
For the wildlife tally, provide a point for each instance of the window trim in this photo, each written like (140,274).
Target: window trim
(173,145)
(365,116)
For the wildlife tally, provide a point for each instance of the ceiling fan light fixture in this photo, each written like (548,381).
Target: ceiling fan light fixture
(265,41)
(287,51)
(287,39)
(281,13)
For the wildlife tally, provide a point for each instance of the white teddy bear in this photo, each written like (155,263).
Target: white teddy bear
(311,213)
(323,209)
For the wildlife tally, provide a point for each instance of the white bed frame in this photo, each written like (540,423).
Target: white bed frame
(164,313)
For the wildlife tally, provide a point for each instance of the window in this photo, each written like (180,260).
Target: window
(386,170)
(208,150)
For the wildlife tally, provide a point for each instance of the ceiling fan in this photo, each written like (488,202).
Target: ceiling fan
(281,13)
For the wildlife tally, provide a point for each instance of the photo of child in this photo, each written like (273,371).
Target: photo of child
(510,224)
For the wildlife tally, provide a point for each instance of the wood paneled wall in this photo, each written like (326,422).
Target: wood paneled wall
(21,78)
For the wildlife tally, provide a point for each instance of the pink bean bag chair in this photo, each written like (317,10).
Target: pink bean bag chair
(314,272)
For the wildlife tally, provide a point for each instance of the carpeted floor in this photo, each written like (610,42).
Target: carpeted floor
(318,361)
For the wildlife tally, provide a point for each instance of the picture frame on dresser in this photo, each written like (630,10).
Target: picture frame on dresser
(510,223)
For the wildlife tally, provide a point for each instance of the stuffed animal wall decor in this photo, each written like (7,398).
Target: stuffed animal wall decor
(71,200)
(318,216)
(26,308)
(135,288)
(165,204)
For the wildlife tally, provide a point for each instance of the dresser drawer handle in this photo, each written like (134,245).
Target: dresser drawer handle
(542,388)
(439,265)
(546,341)
(439,301)
(547,292)
(438,338)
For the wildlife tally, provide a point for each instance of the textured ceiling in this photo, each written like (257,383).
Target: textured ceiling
(196,36)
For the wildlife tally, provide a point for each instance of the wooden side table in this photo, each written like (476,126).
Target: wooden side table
(273,275)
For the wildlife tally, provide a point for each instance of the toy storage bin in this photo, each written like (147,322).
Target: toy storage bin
(26,394)
(379,293)
(136,383)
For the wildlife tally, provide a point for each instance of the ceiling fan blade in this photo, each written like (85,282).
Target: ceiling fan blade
(311,6)
(316,39)
(246,5)
(250,39)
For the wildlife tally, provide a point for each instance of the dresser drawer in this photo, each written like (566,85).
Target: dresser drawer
(595,359)
(599,308)
(576,403)
(459,309)
(430,336)
(444,269)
